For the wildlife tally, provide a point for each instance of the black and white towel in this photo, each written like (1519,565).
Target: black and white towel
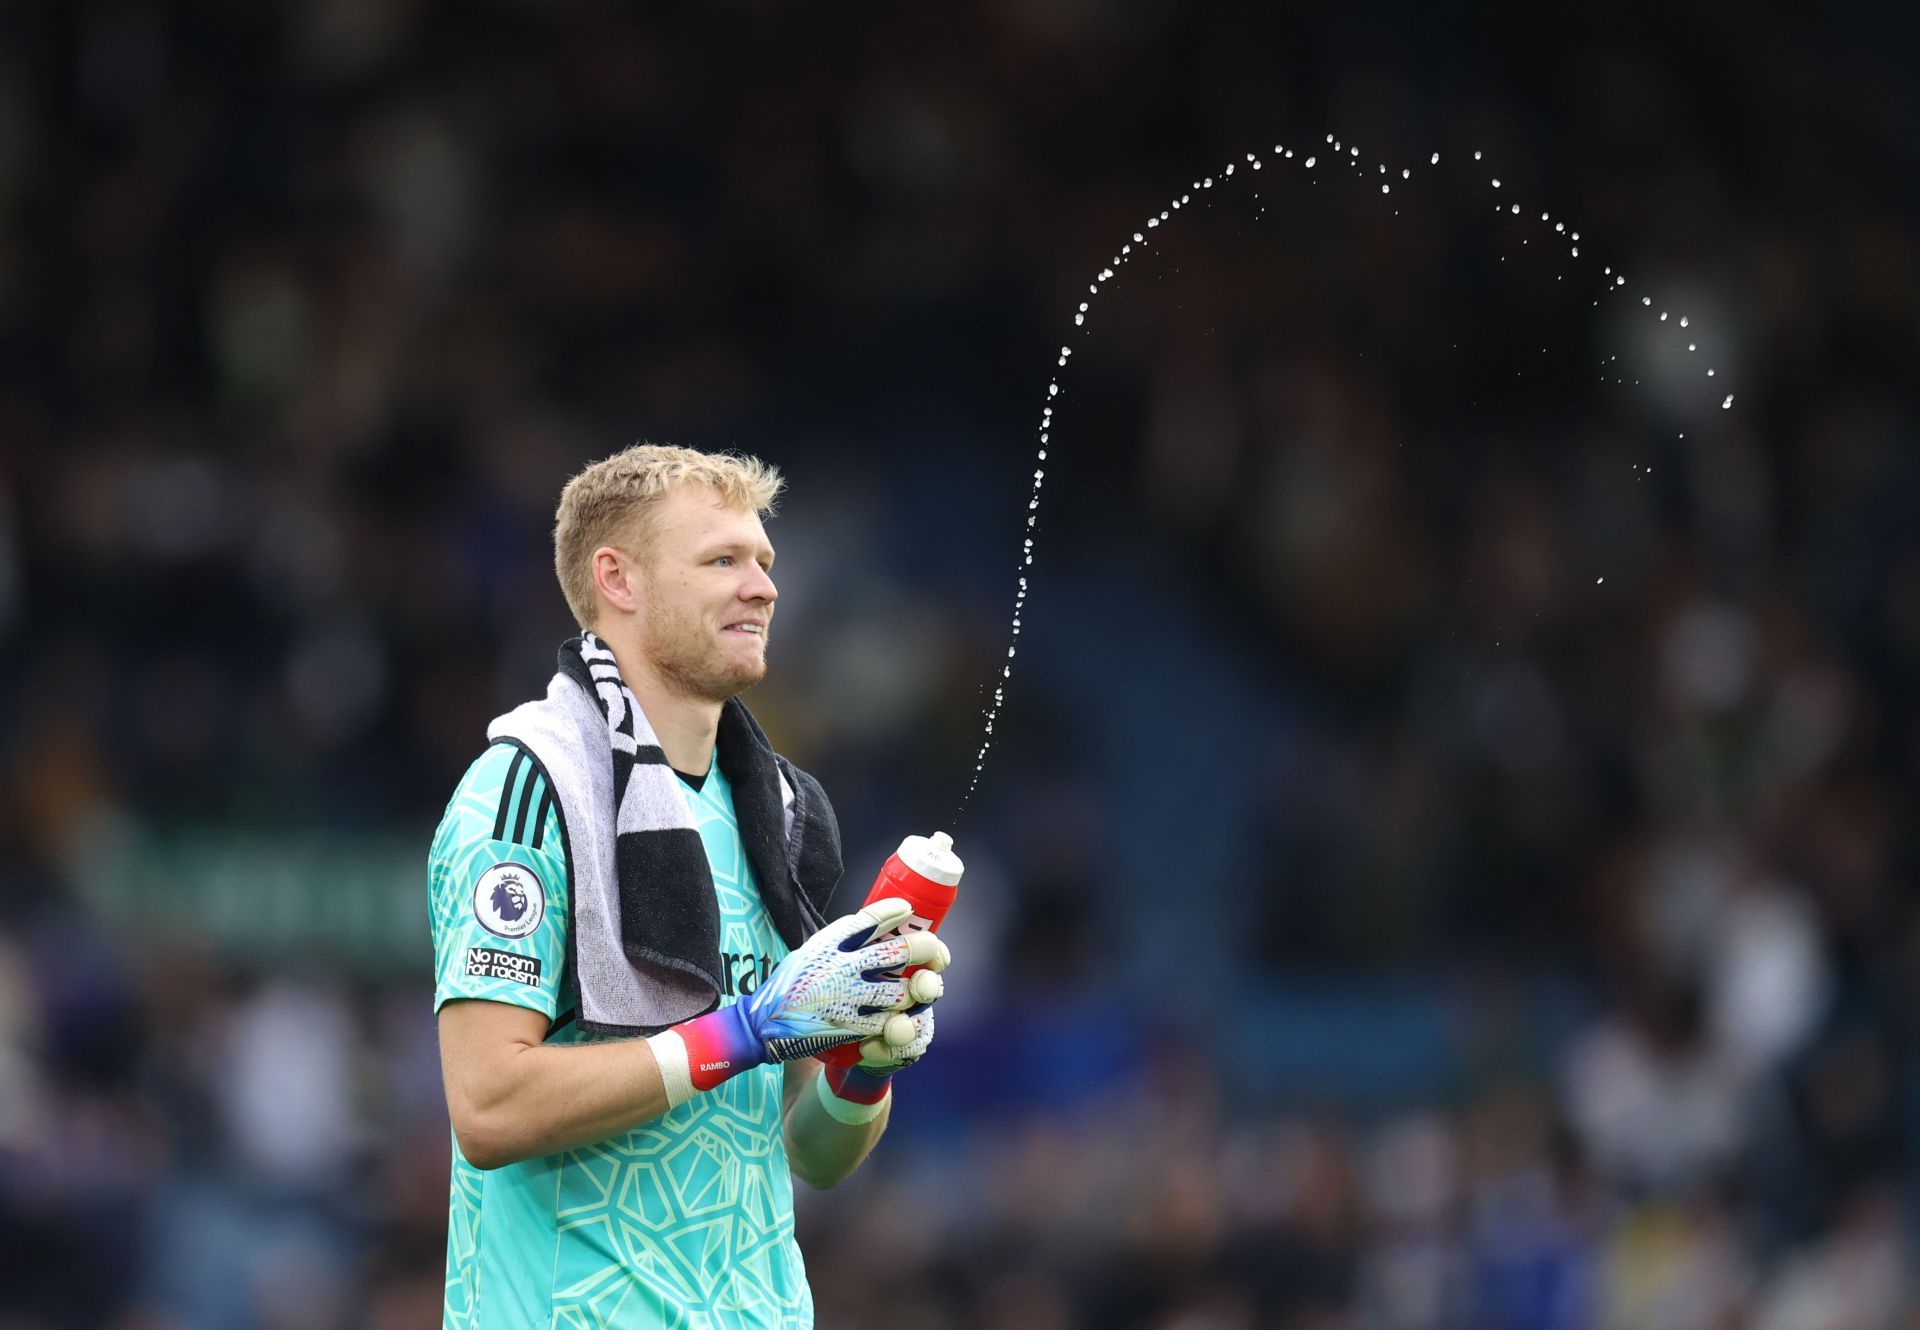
(644,940)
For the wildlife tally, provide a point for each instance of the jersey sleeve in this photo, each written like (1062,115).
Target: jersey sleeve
(497,883)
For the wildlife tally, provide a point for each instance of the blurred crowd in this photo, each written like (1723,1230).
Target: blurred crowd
(1447,860)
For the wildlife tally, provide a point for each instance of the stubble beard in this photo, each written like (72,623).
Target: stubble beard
(688,661)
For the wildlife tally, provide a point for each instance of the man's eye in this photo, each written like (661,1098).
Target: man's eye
(725,561)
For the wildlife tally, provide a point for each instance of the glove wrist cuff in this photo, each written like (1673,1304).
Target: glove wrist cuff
(705,1051)
(853,1112)
(856,1084)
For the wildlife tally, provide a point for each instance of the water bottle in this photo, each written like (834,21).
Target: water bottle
(925,872)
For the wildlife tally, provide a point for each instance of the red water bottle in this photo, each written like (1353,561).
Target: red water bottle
(924,872)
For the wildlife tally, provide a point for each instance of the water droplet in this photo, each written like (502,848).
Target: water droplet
(1405,174)
(1620,281)
(1496,184)
(1598,581)
(1476,155)
(1434,160)
(1310,162)
(1053,389)
(1663,316)
(1709,373)
(1386,189)
(1691,345)
(1728,403)
(1138,237)
(1079,318)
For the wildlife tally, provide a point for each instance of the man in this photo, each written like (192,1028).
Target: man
(631,965)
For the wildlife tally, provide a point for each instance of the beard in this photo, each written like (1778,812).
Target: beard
(687,657)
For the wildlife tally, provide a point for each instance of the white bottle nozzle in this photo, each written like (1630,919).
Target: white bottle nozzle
(932,857)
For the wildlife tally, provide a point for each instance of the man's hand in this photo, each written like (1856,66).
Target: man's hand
(914,1027)
(834,989)
(837,986)
(903,1041)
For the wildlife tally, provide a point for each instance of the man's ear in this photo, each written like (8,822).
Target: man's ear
(616,578)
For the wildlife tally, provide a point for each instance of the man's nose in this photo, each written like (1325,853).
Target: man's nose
(759,586)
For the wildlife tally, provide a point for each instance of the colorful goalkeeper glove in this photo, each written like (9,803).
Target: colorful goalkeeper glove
(856,1093)
(833,989)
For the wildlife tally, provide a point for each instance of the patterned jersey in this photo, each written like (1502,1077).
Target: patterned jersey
(686,1222)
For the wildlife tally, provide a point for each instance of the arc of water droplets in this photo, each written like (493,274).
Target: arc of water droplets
(1350,154)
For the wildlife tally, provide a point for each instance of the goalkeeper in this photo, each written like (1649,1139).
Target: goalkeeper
(632,962)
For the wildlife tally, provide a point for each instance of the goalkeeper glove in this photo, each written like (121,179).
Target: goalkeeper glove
(831,990)
(856,1093)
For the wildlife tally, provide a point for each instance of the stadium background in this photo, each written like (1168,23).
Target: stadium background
(1374,919)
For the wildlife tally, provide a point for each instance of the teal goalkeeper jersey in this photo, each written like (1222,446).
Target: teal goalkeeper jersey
(686,1222)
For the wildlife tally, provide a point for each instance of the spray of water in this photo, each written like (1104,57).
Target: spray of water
(1142,237)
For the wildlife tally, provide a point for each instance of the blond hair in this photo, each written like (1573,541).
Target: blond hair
(610,503)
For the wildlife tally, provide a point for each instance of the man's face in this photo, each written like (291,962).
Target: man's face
(709,598)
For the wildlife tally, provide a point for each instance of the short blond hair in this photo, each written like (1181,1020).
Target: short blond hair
(609,503)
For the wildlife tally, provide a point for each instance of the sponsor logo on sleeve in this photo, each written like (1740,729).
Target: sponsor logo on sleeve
(509,900)
(493,963)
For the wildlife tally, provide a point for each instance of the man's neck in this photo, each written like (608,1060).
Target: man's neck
(687,727)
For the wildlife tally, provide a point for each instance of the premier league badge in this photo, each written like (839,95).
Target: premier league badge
(509,901)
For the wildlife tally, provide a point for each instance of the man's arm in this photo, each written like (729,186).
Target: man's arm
(821,1149)
(835,1115)
(512,1097)
(498,903)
